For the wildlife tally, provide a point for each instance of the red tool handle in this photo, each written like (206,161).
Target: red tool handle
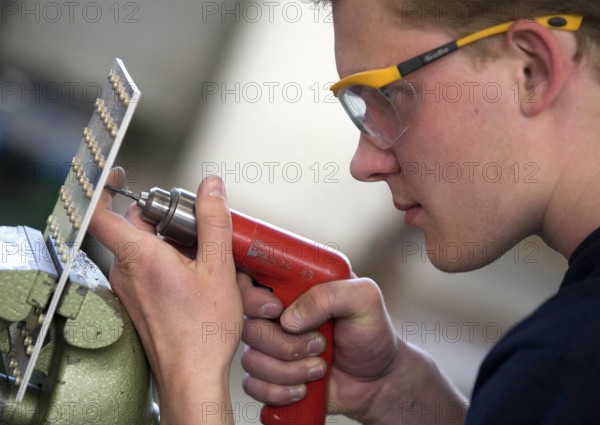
(312,409)
(290,264)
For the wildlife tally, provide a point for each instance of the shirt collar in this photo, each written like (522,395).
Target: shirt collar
(585,260)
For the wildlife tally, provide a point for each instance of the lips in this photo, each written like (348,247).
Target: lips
(406,206)
(412,211)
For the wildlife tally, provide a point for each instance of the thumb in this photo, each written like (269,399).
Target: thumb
(214,225)
(357,301)
(360,313)
(313,308)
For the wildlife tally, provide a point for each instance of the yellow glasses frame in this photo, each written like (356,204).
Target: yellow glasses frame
(377,78)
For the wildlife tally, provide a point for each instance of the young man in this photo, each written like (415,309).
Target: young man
(547,369)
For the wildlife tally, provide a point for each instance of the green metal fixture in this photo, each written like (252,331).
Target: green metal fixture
(69,353)
(92,368)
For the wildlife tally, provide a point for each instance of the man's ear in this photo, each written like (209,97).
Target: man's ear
(544,62)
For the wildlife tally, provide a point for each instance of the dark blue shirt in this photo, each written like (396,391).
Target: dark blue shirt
(547,369)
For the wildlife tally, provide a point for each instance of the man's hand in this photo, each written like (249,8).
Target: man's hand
(185,304)
(376,377)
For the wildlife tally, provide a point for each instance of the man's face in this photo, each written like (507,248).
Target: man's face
(465,163)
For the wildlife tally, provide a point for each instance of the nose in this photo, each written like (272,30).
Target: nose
(370,163)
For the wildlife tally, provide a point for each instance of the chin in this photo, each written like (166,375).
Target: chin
(457,267)
(452,257)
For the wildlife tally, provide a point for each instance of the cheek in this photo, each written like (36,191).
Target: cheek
(460,140)
(461,169)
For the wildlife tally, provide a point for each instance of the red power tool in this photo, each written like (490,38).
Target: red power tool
(286,263)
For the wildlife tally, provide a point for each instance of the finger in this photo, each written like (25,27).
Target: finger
(268,369)
(116,178)
(354,300)
(258,302)
(272,394)
(111,229)
(213,225)
(114,231)
(269,338)
(134,215)
(359,310)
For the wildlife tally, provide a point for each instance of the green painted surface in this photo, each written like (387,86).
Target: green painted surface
(92,368)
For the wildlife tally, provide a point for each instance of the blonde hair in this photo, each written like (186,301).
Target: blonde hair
(462,17)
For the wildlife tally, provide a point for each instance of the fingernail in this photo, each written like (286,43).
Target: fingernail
(293,320)
(215,187)
(297,393)
(270,311)
(315,373)
(315,346)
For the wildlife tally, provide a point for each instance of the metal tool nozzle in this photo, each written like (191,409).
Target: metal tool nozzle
(124,192)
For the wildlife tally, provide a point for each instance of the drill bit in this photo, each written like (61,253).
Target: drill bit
(123,192)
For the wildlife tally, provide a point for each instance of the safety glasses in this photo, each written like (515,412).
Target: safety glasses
(383,106)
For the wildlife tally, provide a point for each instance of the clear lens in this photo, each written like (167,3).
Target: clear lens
(385,114)
(355,106)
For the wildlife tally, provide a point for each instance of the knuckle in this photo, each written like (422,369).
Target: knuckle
(248,360)
(319,296)
(129,269)
(248,387)
(313,301)
(263,391)
(213,212)
(290,352)
(275,394)
(248,326)
(254,331)
(132,210)
(244,281)
(248,304)
(370,292)
(215,221)
(252,301)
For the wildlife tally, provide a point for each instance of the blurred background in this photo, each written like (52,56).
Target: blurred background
(239,89)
